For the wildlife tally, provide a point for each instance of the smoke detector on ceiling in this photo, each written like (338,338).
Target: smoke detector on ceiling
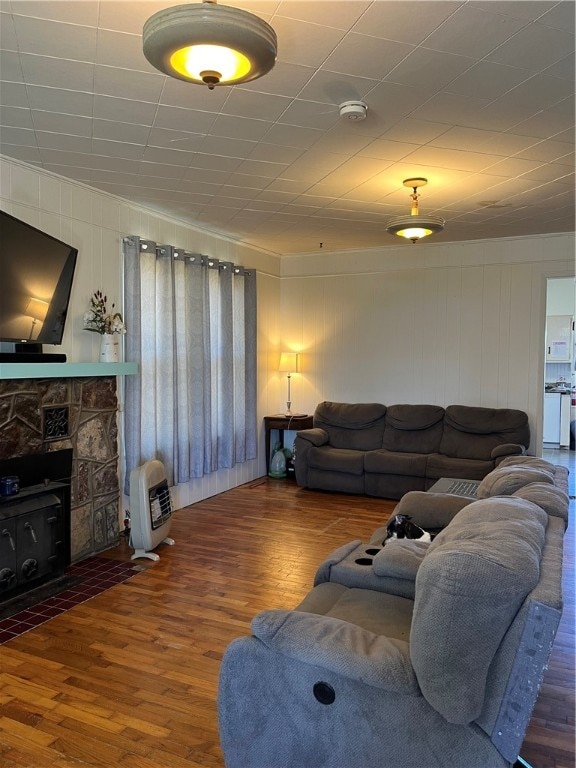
(353,110)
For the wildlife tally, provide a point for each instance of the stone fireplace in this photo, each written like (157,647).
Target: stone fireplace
(43,415)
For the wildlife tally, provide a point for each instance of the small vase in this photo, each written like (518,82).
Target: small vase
(110,348)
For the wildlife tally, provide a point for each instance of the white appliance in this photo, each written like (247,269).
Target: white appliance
(150,509)
(557,419)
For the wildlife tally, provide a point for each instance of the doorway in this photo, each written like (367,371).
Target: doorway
(559,432)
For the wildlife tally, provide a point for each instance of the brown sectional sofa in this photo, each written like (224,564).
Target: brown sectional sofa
(386,451)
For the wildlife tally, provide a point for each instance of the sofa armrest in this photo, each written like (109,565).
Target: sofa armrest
(507,449)
(334,558)
(431,510)
(317,436)
(340,647)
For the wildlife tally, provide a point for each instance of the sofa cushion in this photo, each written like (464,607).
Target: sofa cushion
(336,460)
(554,501)
(400,558)
(503,481)
(473,432)
(469,587)
(359,426)
(391,463)
(447,466)
(413,428)
(528,461)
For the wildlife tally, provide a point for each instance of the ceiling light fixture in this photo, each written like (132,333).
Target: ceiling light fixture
(209,44)
(415,226)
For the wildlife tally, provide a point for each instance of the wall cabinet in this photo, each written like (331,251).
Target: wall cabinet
(559,338)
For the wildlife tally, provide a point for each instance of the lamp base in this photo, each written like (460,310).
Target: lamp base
(288,411)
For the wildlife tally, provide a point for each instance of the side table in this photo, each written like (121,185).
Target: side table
(282,423)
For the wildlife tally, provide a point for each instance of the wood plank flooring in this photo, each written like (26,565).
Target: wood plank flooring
(129,678)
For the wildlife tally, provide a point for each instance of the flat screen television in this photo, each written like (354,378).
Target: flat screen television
(36,274)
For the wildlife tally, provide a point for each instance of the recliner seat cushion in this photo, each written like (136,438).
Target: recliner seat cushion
(447,466)
(473,432)
(336,460)
(413,428)
(469,587)
(392,463)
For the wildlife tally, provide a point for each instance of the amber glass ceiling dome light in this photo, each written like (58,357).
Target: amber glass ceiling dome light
(415,226)
(209,44)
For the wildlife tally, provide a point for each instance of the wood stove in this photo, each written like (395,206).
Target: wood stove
(35,522)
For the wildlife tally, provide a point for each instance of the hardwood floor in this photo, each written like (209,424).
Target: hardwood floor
(129,678)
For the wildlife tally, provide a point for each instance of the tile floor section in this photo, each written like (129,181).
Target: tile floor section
(92,576)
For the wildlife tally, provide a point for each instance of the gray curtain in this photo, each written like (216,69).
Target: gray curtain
(191,323)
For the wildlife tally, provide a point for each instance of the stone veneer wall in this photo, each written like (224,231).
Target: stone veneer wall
(90,405)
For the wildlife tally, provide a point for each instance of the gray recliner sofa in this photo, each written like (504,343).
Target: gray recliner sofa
(386,451)
(434,661)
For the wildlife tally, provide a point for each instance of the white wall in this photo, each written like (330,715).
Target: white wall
(95,223)
(443,324)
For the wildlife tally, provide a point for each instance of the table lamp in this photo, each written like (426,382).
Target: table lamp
(289,365)
(37,310)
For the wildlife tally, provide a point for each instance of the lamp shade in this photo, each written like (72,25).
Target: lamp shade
(288,362)
(37,309)
(209,44)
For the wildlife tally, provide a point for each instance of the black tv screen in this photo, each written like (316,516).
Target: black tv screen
(36,273)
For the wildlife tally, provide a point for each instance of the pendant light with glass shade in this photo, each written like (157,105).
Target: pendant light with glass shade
(209,44)
(415,225)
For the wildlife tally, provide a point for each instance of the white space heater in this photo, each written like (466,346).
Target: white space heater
(150,509)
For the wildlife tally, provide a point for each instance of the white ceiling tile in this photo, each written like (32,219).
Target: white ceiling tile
(285,79)
(176,119)
(535,47)
(118,49)
(545,124)
(26,154)
(66,142)
(328,12)
(261,168)
(405,22)
(569,160)
(292,136)
(183,140)
(473,32)
(84,13)
(384,149)
(483,141)
(334,88)
(128,16)
(451,158)
(118,149)
(163,155)
(57,73)
(118,131)
(215,162)
(74,125)
(124,110)
(14,95)
(520,9)
(310,114)
(218,145)
(538,93)
(58,100)
(51,38)
(425,68)
(177,93)
(563,68)
(238,127)
(450,109)
(259,106)
(487,80)
(17,136)
(547,151)
(304,43)
(274,153)
(205,175)
(366,56)
(124,83)
(153,168)
(561,16)
(10,67)
(415,131)
(8,39)
(512,166)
